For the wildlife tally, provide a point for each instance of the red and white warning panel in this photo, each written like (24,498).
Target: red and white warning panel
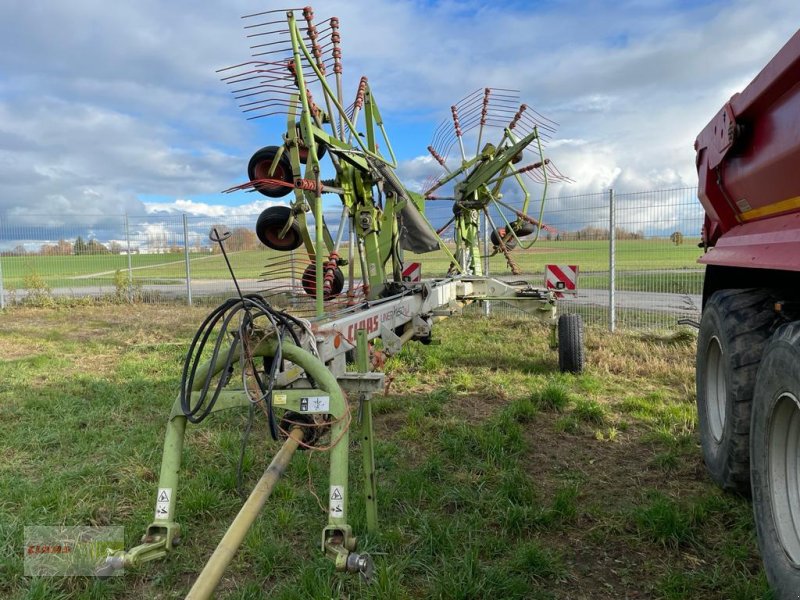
(561,278)
(413,272)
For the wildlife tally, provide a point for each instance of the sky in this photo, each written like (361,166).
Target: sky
(112,108)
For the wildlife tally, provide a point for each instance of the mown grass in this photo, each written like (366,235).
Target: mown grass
(498,477)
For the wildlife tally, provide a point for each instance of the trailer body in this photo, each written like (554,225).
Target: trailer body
(748,347)
(748,165)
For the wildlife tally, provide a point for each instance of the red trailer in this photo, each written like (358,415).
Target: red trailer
(748,349)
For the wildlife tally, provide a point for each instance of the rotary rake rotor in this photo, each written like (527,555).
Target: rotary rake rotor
(475,180)
(297,72)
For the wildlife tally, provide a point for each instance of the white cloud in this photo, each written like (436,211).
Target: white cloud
(124,103)
(204,209)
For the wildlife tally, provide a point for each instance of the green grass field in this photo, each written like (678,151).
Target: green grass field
(72,271)
(81,271)
(498,477)
(667,281)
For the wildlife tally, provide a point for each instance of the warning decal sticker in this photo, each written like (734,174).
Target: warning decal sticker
(336,501)
(162,502)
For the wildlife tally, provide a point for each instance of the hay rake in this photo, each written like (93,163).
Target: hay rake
(291,365)
(476,183)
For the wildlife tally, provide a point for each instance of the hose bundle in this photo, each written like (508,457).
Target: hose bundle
(242,322)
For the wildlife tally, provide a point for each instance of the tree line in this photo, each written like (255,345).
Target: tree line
(593,233)
(242,238)
(66,248)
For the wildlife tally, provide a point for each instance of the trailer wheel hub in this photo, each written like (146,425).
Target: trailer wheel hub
(716,392)
(784,473)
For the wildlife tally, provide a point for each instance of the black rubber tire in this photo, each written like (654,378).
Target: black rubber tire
(259,166)
(774,440)
(497,234)
(524,228)
(303,153)
(310,282)
(734,329)
(303,150)
(570,343)
(271,222)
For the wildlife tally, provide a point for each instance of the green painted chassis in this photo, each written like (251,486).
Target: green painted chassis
(407,316)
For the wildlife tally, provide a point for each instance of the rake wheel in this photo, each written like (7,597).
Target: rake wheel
(310,282)
(260,166)
(270,224)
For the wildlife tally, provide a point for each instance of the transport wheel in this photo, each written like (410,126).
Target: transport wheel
(303,149)
(310,282)
(523,228)
(303,153)
(260,165)
(271,222)
(497,234)
(570,343)
(775,452)
(734,329)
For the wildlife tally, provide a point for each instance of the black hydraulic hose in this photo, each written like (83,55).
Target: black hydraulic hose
(252,306)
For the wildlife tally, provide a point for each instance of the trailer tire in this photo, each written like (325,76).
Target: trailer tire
(775,452)
(734,329)
(570,343)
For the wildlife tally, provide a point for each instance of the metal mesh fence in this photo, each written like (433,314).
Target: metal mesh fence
(648,243)
(168,258)
(658,280)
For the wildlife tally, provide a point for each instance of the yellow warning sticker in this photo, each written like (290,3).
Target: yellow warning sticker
(279,398)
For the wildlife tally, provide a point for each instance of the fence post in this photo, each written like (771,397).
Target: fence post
(612,249)
(130,265)
(2,287)
(186,257)
(487,305)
